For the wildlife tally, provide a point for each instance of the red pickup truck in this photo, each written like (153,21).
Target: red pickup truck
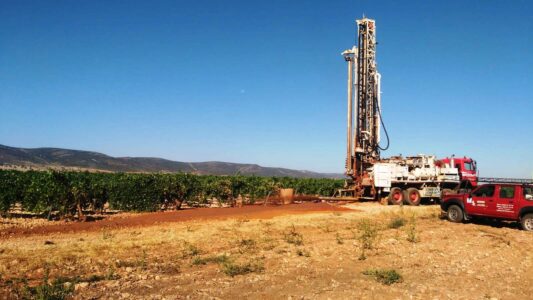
(498,201)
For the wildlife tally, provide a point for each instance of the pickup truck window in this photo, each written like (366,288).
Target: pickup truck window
(484,191)
(528,193)
(507,192)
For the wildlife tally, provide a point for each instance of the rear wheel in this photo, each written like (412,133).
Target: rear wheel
(527,222)
(455,214)
(412,196)
(396,196)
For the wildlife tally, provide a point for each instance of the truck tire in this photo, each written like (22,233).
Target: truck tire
(527,222)
(396,196)
(412,196)
(455,214)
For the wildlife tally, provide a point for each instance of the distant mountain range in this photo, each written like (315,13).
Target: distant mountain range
(41,158)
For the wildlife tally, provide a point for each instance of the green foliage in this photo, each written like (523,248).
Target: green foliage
(233,269)
(385,276)
(294,237)
(412,235)
(190,250)
(396,222)
(367,236)
(12,185)
(220,259)
(57,290)
(66,193)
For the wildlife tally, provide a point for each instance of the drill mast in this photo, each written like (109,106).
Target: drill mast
(363,130)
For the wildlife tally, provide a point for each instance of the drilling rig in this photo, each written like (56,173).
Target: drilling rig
(369,176)
(363,131)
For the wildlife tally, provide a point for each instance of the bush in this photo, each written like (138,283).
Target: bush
(57,290)
(412,235)
(367,236)
(220,259)
(385,276)
(294,237)
(396,222)
(233,269)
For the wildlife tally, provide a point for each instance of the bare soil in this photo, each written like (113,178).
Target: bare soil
(310,251)
(126,220)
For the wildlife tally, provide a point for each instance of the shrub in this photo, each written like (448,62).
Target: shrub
(294,237)
(233,269)
(190,250)
(367,236)
(57,290)
(412,235)
(385,276)
(396,222)
(220,259)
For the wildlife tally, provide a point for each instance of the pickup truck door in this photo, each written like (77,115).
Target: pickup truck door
(477,202)
(505,202)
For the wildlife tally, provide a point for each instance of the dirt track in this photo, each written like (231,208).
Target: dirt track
(148,219)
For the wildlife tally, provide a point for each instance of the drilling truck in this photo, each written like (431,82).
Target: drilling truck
(396,179)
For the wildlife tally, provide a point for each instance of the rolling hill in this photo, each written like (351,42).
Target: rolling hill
(87,160)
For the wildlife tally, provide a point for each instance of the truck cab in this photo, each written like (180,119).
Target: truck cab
(505,201)
(466,166)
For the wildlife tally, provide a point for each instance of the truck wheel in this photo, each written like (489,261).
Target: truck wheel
(527,222)
(455,214)
(412,196)
(396,196)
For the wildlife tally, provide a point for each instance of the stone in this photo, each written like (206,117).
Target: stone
(81,285)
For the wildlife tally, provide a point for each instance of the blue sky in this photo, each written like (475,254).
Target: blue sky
(263,81)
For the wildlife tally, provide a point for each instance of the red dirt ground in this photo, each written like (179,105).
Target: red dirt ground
(147,219)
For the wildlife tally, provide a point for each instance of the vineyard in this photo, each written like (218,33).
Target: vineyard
(64,193)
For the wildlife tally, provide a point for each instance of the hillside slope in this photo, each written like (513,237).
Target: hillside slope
(66,158)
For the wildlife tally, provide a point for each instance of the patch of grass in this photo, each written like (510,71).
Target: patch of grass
(397,222)
(246,245)
(412,235)
(233,269)
(219,259)
(143,260)
(190,250)
(326,228)
(385,276)
(56,290)
(368,233)
(107,235)
(294,237)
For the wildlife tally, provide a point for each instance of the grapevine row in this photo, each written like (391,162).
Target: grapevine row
(69,193)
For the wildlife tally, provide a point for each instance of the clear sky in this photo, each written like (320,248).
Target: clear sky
(263,81)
